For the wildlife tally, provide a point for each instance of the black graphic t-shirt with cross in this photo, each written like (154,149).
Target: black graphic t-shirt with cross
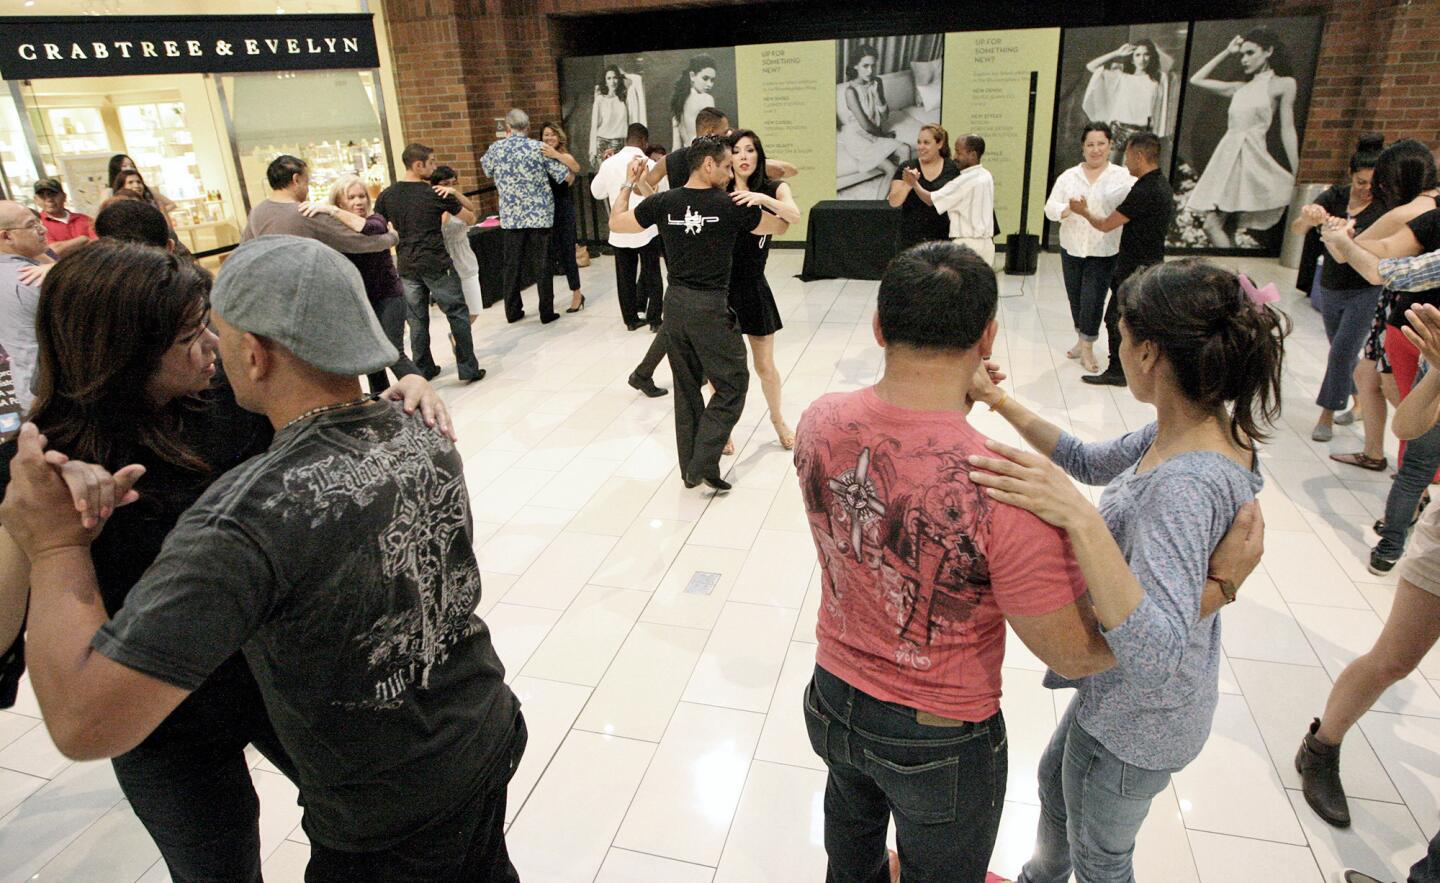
(699,229)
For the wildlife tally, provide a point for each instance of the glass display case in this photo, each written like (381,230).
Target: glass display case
(157,137)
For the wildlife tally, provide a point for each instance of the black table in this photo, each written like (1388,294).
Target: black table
(489,248)
(850,239)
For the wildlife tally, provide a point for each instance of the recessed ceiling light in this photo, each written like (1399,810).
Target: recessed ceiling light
(29,2)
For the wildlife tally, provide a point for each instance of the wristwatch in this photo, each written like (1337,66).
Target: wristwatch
(1227,588)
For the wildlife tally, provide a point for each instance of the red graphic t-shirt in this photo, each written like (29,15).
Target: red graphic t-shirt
(918,566)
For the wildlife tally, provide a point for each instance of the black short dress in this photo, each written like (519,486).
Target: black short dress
(750,294)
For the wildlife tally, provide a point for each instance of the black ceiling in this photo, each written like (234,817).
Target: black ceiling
(795,20)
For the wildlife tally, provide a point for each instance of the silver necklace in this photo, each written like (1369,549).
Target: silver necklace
(315,412)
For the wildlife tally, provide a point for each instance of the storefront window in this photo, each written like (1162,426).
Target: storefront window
(14,155)
(157,137)
(328,118)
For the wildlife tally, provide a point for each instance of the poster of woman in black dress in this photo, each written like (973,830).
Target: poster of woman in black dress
(601,95)
(1246,97)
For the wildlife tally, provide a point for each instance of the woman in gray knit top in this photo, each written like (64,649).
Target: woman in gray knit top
(1197,345)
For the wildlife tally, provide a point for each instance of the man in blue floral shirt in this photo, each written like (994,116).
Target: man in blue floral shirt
(523,174)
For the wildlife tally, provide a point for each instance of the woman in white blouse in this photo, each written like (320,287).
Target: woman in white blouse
(1087,256)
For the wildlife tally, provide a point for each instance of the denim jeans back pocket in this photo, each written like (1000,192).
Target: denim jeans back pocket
(1142,784)
(817,722)
(923,793)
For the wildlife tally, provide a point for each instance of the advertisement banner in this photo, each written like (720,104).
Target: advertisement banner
(34,48)
(987,93)
(787,96)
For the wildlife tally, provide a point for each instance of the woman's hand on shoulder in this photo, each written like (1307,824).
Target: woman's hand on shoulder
(1031,482)
(413,391)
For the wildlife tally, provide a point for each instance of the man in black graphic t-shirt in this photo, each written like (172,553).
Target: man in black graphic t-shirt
(699,223)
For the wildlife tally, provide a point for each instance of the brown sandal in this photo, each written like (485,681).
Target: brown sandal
(1362,461)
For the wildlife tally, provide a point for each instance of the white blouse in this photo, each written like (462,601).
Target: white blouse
(970,201)
(1077,236)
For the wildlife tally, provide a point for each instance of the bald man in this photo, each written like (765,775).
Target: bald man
(22,242)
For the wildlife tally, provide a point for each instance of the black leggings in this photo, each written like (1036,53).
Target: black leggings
(562,244)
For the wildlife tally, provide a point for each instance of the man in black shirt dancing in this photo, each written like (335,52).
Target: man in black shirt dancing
(1145,214)
(698,223)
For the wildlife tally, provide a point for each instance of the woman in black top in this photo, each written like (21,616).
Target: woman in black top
(127,374)
(563,232)
(750,297)
(1347,300)
(916,180)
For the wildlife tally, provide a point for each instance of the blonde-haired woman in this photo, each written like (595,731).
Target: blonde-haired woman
(349,203)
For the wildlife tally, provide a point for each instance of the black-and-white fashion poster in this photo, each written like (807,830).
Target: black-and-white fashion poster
(1246,97)
(1127,77)
(601,95)
(886,89)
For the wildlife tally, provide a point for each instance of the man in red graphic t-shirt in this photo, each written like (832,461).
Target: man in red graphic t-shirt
(920,571)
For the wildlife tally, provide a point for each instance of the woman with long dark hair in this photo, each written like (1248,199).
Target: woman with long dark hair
(122,163)
(1198,344)
(1129,89)
(1404,185)
(690,96)
(610,115)
(1347,299)
(1087,256)
(127,374)
(1243,186)
(564,232)
(750,296)
(914,182)
(863,135)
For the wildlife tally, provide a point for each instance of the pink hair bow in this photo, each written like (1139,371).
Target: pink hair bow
(1259,296)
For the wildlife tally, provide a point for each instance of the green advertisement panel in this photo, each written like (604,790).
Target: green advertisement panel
(987,92)
(787,94)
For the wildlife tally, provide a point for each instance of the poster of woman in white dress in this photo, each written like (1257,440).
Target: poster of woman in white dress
(886,89)
(1246,98)
(601,95)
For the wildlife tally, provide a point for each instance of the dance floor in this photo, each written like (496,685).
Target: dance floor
(666,737)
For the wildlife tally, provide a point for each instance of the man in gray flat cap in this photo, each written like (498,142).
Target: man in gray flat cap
(339,561)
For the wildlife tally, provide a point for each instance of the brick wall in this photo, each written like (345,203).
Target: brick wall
(461,63)
(1379,71)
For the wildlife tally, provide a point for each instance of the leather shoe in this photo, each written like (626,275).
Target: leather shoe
(631,326)
(1319,767)
(719,484)
(471,378)
(430,373)
(1108,377)
(646,385)
(515,318)
(546,320)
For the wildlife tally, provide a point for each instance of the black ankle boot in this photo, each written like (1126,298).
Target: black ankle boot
(1319,767)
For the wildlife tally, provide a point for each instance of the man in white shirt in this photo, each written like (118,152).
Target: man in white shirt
(632,250)
(970,200)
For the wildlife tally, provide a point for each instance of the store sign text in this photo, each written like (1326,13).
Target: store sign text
(36,48)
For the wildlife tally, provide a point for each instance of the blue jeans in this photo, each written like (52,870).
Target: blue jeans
(944,785)
(1347,316)
(1417,468)
(1086,281)
(444,289)
(1092,804)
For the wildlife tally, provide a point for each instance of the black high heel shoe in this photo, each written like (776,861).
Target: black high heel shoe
(579,308)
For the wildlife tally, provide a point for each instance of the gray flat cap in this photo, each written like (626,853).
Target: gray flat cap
(307,297)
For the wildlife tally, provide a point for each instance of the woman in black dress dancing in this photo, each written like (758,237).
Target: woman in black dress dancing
(916,180)
(750,295)
(555,144)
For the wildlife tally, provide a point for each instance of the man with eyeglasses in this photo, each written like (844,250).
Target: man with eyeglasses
(22,242)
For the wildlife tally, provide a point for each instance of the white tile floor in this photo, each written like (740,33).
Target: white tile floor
(666,742)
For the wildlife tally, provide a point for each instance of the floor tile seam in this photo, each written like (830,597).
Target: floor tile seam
(70,842)
(652,855)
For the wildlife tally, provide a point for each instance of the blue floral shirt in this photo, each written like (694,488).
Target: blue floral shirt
(523,174)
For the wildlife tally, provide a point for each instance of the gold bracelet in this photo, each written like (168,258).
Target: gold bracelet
(1004,397)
